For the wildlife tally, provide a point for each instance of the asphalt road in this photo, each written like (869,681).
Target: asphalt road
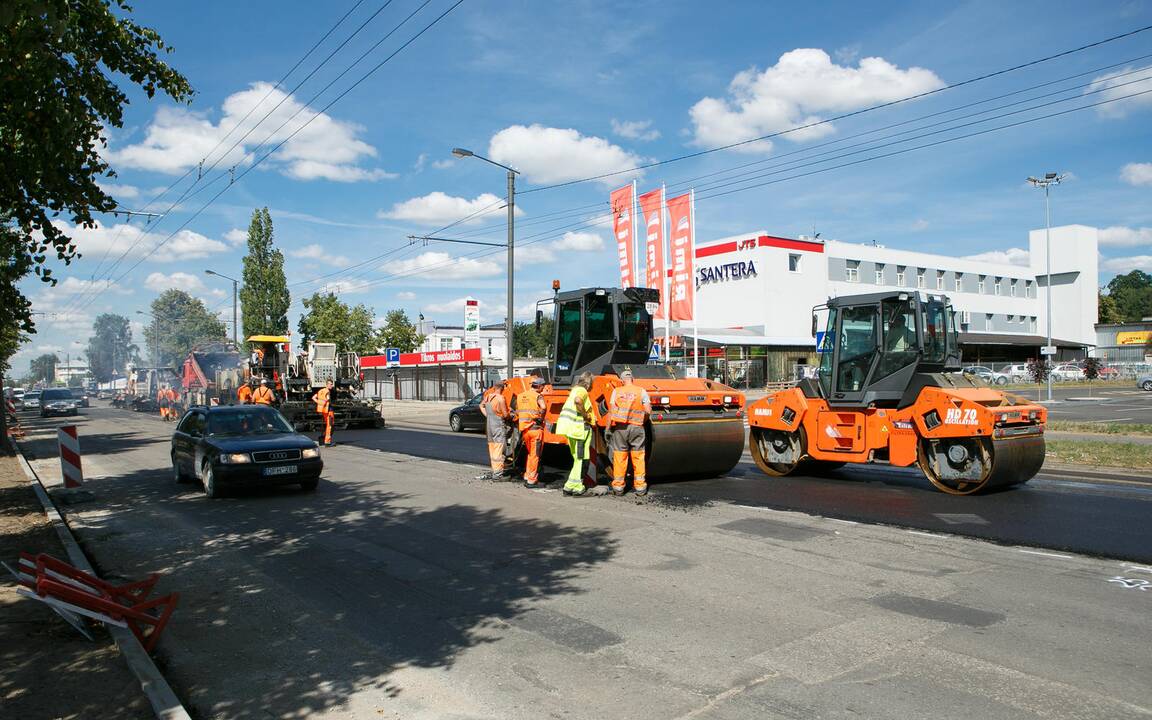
(405,588)
(1111,403)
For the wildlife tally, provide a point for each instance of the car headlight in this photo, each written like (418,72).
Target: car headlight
(310,453)
(235,458)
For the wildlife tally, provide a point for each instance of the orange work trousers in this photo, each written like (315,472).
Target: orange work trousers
(534,442)
(328,418)
(627,443)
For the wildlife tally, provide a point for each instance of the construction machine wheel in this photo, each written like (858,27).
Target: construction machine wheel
(777,453)
(966,466)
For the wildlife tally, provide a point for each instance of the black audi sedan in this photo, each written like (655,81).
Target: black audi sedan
(242,446)
(467,416)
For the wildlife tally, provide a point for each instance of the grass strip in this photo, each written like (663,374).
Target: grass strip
(1086,452)
(1102,428)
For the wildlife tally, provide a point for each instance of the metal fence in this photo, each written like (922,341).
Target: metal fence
(435,382)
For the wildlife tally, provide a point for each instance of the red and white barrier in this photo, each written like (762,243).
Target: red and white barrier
(590,471)
(70,467)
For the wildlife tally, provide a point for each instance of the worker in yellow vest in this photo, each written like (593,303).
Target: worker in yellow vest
(323,400)
(629,407)
(494,408)
(263,394)
(530,421)
(575,423)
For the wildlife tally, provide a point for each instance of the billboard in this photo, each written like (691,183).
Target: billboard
(471,322)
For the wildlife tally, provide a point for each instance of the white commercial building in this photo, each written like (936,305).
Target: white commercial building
(66,371)
(755,292)
(451,337)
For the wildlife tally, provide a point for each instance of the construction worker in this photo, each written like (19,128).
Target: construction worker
(575,423)
(494,408)
(323,400)
(244,394)
(174,405)
(530,420)
(263,394)
(628,407)
(162,401)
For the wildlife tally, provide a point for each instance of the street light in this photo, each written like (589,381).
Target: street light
(1046,182)
(462,153)
(235,286)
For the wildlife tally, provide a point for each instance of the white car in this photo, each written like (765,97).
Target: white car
(1016,373)
(1067,373)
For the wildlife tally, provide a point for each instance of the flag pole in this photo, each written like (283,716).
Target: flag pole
(634,239)
(692,254)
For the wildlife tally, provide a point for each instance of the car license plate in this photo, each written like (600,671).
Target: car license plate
(280,470)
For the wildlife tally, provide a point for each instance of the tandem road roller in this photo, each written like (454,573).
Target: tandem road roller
(887,392)
(697,426)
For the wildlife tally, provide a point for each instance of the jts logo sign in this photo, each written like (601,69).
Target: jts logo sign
(724,273)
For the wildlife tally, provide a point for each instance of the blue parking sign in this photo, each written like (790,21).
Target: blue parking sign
(392,355)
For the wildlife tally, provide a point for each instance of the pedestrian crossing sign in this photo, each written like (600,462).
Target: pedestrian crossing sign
(654,353)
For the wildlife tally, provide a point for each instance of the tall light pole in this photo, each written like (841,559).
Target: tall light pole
(235,292)
(462,153)
(1046,182)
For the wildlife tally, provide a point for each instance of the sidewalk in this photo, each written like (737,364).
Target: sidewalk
(50,670)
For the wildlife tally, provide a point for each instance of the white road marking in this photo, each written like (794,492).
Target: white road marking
(931,535)
(1045,554)
(846,522)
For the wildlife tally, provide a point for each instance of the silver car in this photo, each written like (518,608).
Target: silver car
(1144,382)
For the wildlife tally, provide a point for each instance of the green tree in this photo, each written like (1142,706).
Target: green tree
(57,101)
(264,298)
(1109,311)
(399,332)
(327,319)
(110,348)
(15,309)
(527,341)
(44,368)
(179,322)
(1132,293)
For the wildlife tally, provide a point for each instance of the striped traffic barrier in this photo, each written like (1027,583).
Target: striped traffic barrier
(70,468)
(590,472)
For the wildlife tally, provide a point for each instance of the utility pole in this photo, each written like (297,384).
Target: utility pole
(1046,182)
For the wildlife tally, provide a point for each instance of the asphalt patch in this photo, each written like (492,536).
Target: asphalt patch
(937,610)
(761,527)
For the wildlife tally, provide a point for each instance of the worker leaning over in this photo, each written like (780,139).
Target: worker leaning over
(494,408)
(530,420)
(323,400)
(575,423)
(244,394)
(263,394)
(629,406)
(174,404)
(162,401)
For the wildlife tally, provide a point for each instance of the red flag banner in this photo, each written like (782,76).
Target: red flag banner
(652,211)
(680,219)
(621,202)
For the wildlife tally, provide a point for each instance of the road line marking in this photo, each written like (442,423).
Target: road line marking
(1045,554)
(931,535)
(846,522)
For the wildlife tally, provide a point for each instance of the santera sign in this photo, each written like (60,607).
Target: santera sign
(725,273)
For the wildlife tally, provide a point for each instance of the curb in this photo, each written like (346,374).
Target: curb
(160,695)
(1131,477)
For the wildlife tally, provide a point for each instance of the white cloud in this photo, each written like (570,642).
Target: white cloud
(920,224)
(75,286)
(120,192)
(580,242)
(109,241)
(1119,236)
(550,155)
(1137,173)
(317,252)
(405,295)
(443,164)
(1118,84)
(159,282)
(1012,256)
(236,236)
(635,129)
(325,148)
(537,254)
(799,89)
(442,266)
(1125,264)
(436,208)
(453,307)
(347,287)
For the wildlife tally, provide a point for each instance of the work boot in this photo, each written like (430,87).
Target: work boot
(641,491)
(532,485)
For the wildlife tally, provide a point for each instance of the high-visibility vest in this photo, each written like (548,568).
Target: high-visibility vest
(323,400)
(244,394)
(575,415)
(263,396)
(494,401)
(528,412)
(627,405)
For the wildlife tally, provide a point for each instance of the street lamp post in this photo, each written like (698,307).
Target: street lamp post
(1046,182)
(462,153)
(235,292)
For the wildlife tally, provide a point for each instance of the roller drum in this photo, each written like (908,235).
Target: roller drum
(1015,460)
(694,449)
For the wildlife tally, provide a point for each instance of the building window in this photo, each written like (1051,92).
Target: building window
(959,282)
(879,274)
(996,287)
(980,286)
(1010,319)
(446,343)
(1012,288)
(900,275)
(939,279)
(852,271)
(1032,324)
(793,263)
(920,279)
(988,321)
(1027,288)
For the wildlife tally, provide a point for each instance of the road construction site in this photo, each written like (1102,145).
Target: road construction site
(406,587)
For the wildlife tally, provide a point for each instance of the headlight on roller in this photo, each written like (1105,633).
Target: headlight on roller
(310,453)
(665,400)
(235,458)
(727,399)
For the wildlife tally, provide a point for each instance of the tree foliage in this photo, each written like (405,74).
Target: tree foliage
(1108,311)
(1038,370)
(1132,295)
(56,100)
(399,332)
(527,341)
(179,322)
(264,298)
(327,319)
(110,348)
(15,309)
(1091,368)
(43,368)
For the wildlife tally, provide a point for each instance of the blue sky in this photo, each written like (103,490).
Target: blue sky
(563,91)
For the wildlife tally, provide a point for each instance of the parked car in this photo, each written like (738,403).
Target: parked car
(81,396)
(467,416)
(242,446)
(58,401)
(987,374)
(1016,373)
(1144,382)
(1067,373)
(18,398)
(31,400)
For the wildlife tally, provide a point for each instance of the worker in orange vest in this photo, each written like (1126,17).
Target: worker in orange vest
(530,420)
(244,394)
(494,408)
(162,401)
(323,400)
(628,407)
(263,394)
(173,404)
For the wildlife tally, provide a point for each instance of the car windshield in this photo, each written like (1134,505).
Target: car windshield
(33,394)
(50,395)
(247,421)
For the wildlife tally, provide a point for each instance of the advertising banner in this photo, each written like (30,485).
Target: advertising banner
(682,234)
(471,322)
(441,357)
(622,202)
(652,210)
(1134,337)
